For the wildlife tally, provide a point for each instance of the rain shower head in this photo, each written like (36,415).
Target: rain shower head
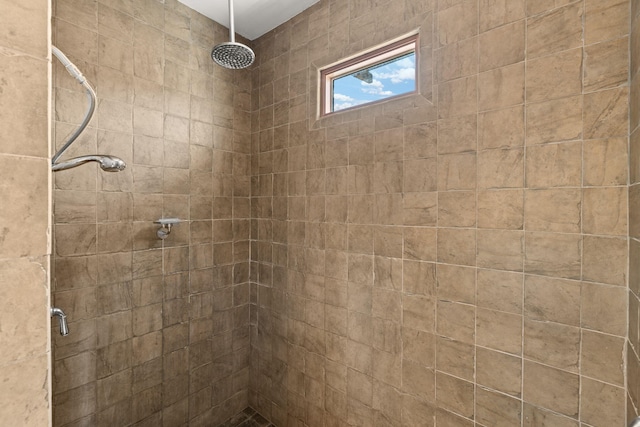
(107,163)
(231,54)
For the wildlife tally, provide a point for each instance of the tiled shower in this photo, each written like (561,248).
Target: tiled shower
(463,256)
(159,328)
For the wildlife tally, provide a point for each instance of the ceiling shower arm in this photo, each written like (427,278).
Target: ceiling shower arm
(232,31)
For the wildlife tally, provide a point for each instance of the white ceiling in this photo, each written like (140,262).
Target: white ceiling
(253,18)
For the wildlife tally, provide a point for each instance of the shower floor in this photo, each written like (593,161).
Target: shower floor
(247,418)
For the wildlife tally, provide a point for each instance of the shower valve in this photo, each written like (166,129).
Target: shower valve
(165,226)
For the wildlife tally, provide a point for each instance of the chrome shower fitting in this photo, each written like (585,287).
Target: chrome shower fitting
(62,318)
(107,163)
(165,226)
(231,54)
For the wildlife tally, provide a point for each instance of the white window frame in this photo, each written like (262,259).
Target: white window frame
(380,54)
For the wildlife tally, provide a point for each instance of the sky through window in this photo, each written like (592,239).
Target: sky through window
(392,78)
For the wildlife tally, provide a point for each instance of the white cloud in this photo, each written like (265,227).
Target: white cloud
(343,105)
(343,98)
(342,101)
(406,63)
(376,87)
(397,76)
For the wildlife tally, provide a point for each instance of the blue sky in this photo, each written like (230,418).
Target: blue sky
(394,78)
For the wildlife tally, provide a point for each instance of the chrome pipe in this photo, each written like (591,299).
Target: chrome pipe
(62,318)
(232,29)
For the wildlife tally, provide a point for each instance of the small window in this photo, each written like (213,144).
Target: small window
(386,72)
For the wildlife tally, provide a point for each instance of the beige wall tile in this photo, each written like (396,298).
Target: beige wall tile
(603,308)
(605,20)
(551,254)
(604,260)
(420,140)
(494,14)
(22,283)
(496,409)
(455,358)
(504,45)
(552,300)
(552,121)
(419,312)
(457,171)
(499,371)
(501,87)
(499,331)
(634,170)
(560,394)
(457,135)
(456,321)
(388,273)
(114,23)
(554,31)
(25,192)
(500,249)
(420,175)
(554,165)
(456,283)
(601,357)
(500,290)
(634,200)
(419,346)
(458,22)
(501,169)
(457,97)
(457,60)
(416,411)
(605,162)
(26,398)
(606,65)
(501,128)
(533,416)
(501,209)
(457,209)
(606,113)
(24,124)
(28,35)
(388,368)
(75,206)
(565,80)
(604,403)
(419,277)
(552,344)
(420,209)
(420,243)
(553,210)
(449,419)
(604,211)
(454,394)
(456,246)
